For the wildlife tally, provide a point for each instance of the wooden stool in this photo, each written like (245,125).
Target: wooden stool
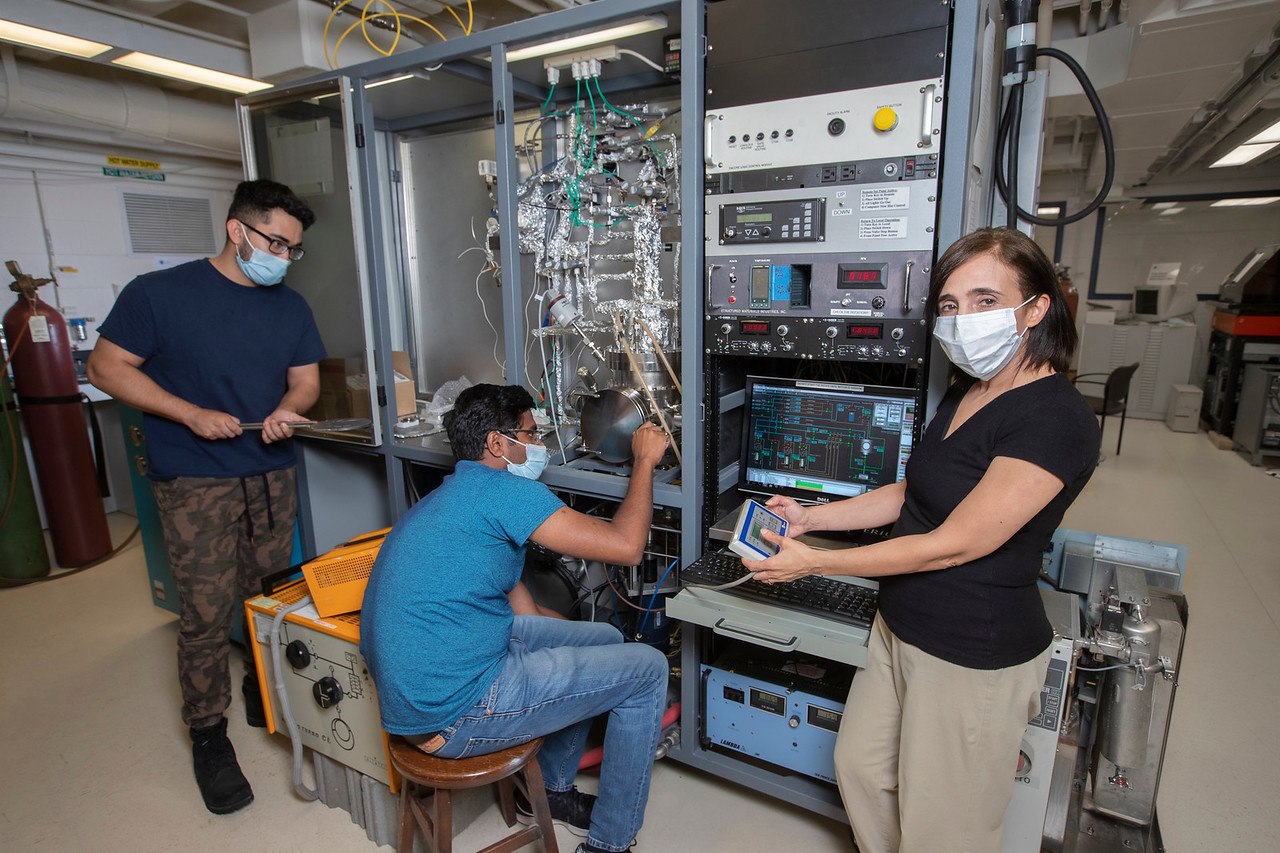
(428,779)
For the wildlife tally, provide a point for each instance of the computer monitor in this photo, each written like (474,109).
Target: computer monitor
(821,441)
(1158,302)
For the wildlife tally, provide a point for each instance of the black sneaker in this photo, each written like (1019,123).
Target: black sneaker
(254,714)
(571,809)
(584,847)
(222,785)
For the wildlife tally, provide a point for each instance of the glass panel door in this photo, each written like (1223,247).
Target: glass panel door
(306,138)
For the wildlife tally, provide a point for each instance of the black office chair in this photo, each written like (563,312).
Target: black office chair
(1115,395)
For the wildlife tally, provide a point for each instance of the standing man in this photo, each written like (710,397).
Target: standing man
(465,661)
(199,348)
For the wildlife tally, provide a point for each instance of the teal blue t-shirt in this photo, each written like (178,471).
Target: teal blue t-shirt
(436,621)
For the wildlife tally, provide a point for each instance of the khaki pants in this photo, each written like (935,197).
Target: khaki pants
(927,749)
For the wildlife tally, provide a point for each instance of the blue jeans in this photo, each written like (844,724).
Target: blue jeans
(557,677)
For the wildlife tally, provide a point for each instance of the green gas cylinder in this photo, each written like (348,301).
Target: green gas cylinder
(22,549)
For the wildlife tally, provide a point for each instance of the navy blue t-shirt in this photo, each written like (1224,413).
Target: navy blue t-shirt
(987,613)
(218,345)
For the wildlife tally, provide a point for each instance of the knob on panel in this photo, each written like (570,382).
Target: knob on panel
(327,692)
(832,331)
(297,654)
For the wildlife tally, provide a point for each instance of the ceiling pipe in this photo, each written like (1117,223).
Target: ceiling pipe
(65,105)
(1085,7)
(1104,13)
(42,155)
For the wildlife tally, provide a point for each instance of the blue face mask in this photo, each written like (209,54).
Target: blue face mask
(535,461)
(262,268)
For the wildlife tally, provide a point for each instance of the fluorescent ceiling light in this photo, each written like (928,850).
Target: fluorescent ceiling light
(1242,154)
(1271,134)
(1048,210)
(1170,211)
(1245,202)
(1164,205)
(190,73)
(47,40)
(565,45)
(399,79)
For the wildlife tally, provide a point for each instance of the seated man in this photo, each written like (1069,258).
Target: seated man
(467,663)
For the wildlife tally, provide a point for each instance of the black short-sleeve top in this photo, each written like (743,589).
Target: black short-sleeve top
(987,614)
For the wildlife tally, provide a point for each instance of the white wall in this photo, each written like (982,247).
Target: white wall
(63,193)
(1207,241)
(83,217)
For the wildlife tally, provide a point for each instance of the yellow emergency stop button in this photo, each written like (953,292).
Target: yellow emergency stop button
(885,119)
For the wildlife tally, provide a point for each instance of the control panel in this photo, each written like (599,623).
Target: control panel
(330,692)
(788,221)
(834,306)
(879,121)
(784,711)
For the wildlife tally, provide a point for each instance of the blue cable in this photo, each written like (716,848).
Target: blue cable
(654,597)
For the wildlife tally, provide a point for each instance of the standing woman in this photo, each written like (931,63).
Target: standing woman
(958,653)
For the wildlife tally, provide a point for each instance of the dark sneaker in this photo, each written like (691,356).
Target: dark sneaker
(222,785)
(571,809)
(254,715)
(584,847)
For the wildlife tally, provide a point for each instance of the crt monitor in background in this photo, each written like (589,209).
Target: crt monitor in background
(1158,302)
(821,441)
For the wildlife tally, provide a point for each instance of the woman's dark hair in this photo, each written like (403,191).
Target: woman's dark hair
(254,201)
(480,410)
(1053,339)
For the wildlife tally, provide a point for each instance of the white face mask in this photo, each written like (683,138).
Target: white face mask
(535,460)
(980,344)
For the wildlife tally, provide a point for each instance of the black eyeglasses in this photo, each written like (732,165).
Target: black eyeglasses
(533,433)
(277,246)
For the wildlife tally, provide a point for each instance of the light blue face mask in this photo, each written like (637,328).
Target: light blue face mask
(262,268)
(535,460)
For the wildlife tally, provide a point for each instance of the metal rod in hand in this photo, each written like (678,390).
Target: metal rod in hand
(635,368)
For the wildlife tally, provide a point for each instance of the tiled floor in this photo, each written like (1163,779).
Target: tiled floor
(93,756)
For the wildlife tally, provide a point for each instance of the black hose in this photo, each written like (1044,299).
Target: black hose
(1104,131)
(1015,131)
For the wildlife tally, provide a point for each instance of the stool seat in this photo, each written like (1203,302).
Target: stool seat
(460,772)
(428,783)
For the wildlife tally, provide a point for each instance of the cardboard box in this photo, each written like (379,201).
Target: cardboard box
(344,388)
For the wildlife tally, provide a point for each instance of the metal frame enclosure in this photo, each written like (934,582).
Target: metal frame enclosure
(378,473)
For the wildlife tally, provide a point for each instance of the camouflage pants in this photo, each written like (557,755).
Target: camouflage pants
(223,537)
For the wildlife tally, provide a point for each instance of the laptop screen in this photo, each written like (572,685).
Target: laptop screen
(820,441)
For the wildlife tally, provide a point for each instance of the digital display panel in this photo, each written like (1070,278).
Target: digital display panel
(865,331)
(760,279)
(860,276)
(769,702)
(824,718)
(816,440)
(754,327)
(755,217)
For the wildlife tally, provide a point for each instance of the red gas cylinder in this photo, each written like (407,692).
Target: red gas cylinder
(49,398)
